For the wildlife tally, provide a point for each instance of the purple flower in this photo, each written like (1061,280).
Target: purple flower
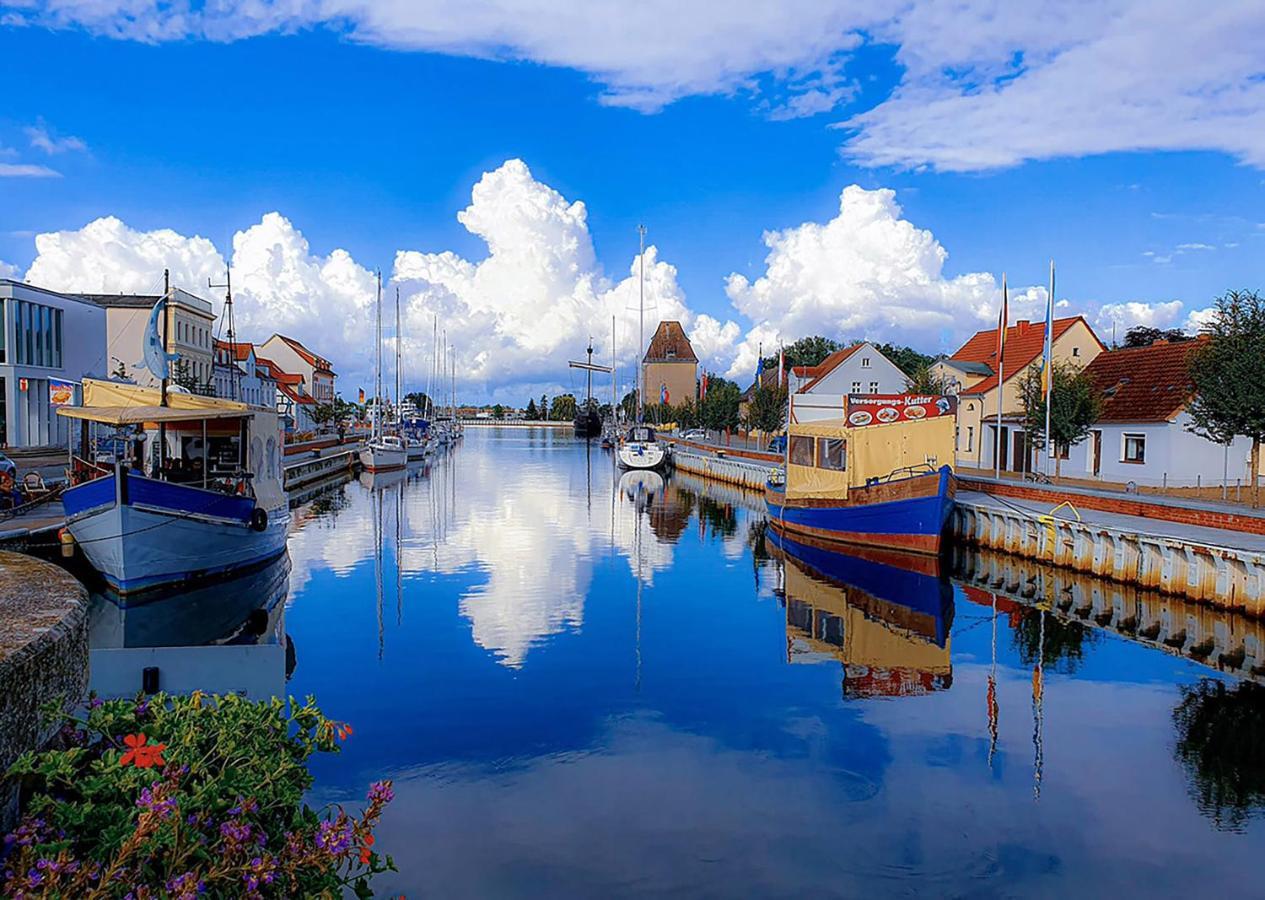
(235,832)
(381,791)
(94,702)
(186,887)
(334,837)
(142,709)
(155,804)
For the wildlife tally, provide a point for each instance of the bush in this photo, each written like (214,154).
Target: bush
(185,797)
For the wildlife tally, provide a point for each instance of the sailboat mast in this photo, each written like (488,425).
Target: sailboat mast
(641,316)
(377,367)
(399,421)
(614,377)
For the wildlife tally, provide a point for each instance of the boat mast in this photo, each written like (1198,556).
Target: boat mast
(399,420)
(377,369)
(641,318)
(235,389)
(588,401)
(614,378)
(162,387)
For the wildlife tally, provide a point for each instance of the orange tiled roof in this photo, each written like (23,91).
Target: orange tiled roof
(1024,342)
(826,366)
(1144,384)
(244,349)
(670,344)
(318,363)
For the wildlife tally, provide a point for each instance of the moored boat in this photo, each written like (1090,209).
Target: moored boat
(191,489)
(877,477)
(640,449)
(383,453)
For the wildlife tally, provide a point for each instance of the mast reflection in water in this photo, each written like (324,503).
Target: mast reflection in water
(587,684)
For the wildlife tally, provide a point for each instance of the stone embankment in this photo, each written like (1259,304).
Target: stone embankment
(43,656)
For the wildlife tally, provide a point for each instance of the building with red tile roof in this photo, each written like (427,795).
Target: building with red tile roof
(669,367)
(972,373)
(317,371)
(241,375)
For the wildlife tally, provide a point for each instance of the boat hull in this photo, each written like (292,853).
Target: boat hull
(910,514)
(137,549)
(641,456)
(380,459)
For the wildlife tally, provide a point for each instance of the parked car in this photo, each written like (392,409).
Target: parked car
(694,434)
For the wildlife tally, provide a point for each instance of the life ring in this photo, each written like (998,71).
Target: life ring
(259,519)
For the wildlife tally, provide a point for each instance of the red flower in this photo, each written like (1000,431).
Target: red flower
(141,753)
(365,853)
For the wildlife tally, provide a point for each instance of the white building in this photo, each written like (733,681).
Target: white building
(1142,434)
(189,328)
(317,372)
(242,375)
(44,335)
(859,369)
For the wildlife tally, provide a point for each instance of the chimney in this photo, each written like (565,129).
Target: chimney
(1023,324)
(1158,341)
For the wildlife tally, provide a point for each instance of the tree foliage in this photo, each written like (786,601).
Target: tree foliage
(907,359)
(530,413)
(925,381)
(767,409)
(1221,744)
(1227,372)
(563,408)
(1074,407)
(719,409)
(498,411)
(1145,336)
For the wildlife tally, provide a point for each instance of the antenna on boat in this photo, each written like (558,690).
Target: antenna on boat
(226,317)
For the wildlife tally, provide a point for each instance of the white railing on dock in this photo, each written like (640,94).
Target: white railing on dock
(306,470)
(731,471)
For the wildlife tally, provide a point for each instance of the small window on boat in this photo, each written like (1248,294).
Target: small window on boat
(832,453)
(801,450)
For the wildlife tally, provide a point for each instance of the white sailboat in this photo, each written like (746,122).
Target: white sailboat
(640,449)
(384,451)
(415,447)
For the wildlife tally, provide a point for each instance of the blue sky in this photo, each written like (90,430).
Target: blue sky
(367,142)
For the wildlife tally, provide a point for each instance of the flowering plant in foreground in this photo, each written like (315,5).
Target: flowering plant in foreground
(187,797)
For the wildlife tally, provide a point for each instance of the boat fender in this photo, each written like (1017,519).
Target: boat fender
(259,519)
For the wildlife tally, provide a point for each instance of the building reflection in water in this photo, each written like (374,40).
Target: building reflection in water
(221,636)
(885,616)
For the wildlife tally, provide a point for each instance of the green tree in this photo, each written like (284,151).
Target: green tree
(924,381)
(530,413)
(562,408)
(1227,371)
(182,375)
(1074,407)
(1145,336)
(807,351)
(1059,644)
(907,359)
(544,407)
(719,409)
(767,409)
(420,400)
(629,406)
(498,411)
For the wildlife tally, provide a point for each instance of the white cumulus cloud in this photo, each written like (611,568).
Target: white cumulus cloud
(866,273)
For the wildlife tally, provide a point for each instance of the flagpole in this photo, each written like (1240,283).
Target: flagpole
(1049,369)
(1001,380)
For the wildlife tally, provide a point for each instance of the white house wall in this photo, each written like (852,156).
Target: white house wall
(1174,456)
(854,371)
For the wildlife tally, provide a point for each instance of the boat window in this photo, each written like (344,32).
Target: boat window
(832,453)
(801,450)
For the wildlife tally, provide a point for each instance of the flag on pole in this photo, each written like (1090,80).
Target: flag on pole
(1003,318)
(362,396)
(759,365)
(702,388)
(1047,353)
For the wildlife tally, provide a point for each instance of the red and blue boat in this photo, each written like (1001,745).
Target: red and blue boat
(878,476)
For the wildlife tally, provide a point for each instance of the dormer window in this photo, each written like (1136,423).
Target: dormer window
(865,362)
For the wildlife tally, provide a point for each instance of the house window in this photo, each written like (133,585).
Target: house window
(801,450)
(970,438)
(856,387)
(873,387)
(1076,351)
(865,362)
(1134,448)
(832,453)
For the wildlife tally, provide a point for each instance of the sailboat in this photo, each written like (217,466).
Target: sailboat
(416,446)
(384,451)
(588,421)
(640,449)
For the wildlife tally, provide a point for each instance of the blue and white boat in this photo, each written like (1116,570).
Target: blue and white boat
(198,492)
(876,477)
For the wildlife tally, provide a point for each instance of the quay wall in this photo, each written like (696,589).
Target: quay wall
(1206,515)
(318,467)
(1223,577)
(43,656)
(724,469)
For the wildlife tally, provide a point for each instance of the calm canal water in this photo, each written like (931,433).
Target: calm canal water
(592,685)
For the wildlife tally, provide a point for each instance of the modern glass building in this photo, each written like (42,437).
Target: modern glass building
(44,336)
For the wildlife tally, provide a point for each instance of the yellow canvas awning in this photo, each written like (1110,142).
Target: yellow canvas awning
(112,393)
(139,415)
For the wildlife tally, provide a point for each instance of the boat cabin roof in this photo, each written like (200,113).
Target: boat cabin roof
(137,415)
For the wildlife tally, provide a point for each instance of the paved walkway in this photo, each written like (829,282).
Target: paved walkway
(1215,537)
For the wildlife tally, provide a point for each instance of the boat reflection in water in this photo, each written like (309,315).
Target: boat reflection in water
(885,615)
(221,636)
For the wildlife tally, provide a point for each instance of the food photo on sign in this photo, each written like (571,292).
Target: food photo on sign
(883,409)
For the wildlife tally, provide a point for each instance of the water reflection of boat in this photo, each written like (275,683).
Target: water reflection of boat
(222,636)
(885,615)
(641,486)
(380,480)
